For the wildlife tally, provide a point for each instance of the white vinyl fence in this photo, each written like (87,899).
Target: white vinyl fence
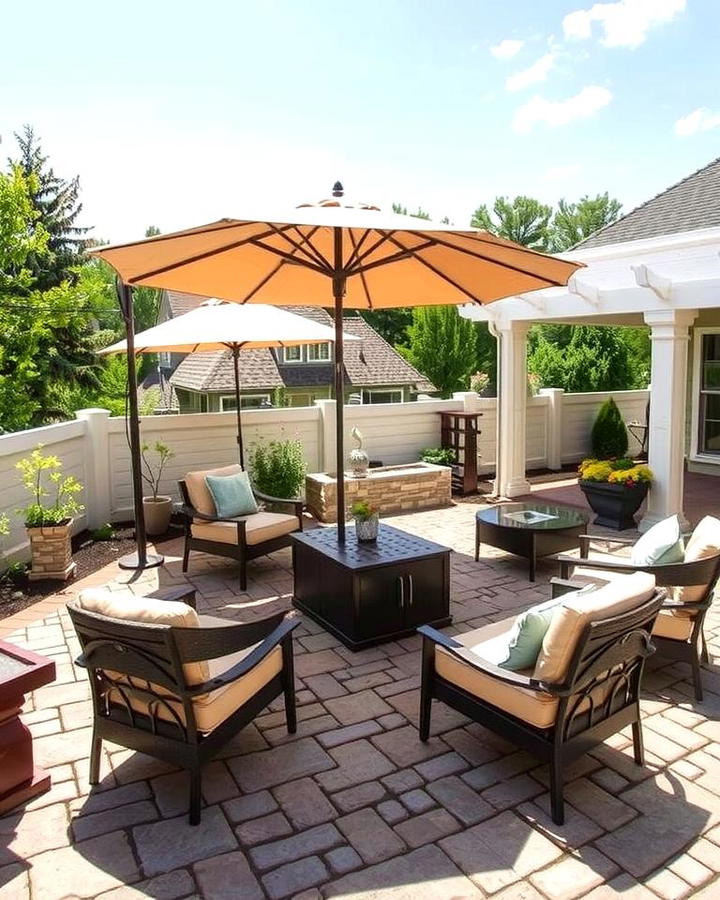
(94,448)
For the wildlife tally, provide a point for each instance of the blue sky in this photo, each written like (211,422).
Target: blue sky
(179,113)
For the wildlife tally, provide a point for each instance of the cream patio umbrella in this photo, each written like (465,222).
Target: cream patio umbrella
(218,325)
(354,256)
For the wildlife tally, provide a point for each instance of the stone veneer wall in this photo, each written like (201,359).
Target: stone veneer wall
(391,490)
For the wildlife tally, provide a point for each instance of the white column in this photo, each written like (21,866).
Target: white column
(96,496)
(553,424)
(326,443)
(669,336)
(512,408)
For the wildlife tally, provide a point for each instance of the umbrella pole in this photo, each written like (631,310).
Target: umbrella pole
(338,293)
(141,559)
(236,365)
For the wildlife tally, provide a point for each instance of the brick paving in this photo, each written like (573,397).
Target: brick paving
(354,805)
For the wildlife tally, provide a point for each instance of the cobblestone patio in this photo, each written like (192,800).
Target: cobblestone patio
(354,805)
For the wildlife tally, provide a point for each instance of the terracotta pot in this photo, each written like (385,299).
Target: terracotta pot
(157,514)
(614,505)
(51,551)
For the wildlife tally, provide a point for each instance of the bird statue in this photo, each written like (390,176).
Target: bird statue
(359,460)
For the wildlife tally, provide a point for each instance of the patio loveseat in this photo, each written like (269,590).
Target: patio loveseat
(176,685)
(584,686)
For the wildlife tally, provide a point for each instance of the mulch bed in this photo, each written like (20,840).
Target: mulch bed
(89,555)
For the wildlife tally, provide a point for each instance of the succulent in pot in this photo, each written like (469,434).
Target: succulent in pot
(156,507)
(49,515)
(366,520)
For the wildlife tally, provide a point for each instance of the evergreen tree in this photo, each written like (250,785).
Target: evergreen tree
(56,201)
(524,220)
(442,345)
(575,221)
(609,435)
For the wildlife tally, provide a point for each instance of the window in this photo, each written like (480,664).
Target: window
(382,396)
(165,359)
(709,411)
(292,354)
(247,401)
(318,352)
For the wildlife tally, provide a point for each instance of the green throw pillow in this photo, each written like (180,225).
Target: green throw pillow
(232,494)
(661,545)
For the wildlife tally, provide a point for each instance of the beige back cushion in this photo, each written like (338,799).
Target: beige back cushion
(703,542)
(150,611)
(198,491)
(619,596)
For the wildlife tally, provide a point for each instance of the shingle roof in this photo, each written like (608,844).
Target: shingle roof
(369,362)
(688,205)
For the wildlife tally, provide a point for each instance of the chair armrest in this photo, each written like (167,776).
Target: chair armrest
(273,640)
(294,502)
(560,586)
(184,594)
(625,565)
(669,603)
(196,514)
(482,665)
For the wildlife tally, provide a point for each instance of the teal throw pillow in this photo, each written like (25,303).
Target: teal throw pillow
(661,545)
(232,494)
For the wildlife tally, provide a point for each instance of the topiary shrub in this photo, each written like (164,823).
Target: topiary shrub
(609,435)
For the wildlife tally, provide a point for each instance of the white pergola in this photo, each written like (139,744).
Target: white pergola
(669,283)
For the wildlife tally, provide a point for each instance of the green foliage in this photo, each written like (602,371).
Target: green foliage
(22,237)
(363,510)
(4,526)
(596,359)
(609,436)
(53,494)
(391,324)
(522,219)
(479,381)
(439,456)
(105,532)
(149,400)
(281,398)
(153,466)
(56,202)
(15,572)
(278,468)
(575,221)
(615,471)
(442,345)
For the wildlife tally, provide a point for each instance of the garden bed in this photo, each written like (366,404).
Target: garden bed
(89,556)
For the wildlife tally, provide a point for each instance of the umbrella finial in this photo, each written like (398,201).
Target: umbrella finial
(338,190)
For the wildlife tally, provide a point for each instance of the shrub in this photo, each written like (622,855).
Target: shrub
(609,435)
(105,532)
(278,468)
(440,456)
(53,494)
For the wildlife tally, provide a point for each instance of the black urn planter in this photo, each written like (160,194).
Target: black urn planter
(614,505)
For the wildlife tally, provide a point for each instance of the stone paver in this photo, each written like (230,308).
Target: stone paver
(338,808)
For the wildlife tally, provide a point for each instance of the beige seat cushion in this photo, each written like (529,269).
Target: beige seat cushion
(618,596)
(198,491)
(259,527)
(534,707)
(128,607)
(674,623)
(703,542)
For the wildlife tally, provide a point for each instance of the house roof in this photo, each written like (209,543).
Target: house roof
(689,205)
(369,362)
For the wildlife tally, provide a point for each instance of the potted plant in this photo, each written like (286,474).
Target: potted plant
(157,508)
(438,456)
(366,520)
(278,468)
(49,517)
(615,489)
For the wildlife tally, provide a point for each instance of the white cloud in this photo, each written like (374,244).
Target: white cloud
(538,71)
(560,112)
(700,119)
(624,23)
(562,173)
(507,49)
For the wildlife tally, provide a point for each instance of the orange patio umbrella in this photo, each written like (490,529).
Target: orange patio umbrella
(335,253)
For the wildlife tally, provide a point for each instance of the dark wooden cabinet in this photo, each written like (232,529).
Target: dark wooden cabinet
(369,593)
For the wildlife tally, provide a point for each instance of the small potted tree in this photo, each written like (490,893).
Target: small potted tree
(157,508)
(49,517)
(366,520)
(613,485)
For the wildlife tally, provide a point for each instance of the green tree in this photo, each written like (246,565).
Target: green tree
(22,237)
(401,210)
(573,222)
(442,345)
(596,359)
(609,435)
(524,220)
(58,207)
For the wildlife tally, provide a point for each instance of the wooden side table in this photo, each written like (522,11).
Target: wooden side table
(367,593)
(21,671)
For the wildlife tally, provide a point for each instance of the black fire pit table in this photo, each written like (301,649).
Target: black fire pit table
(530,530)
(369,592)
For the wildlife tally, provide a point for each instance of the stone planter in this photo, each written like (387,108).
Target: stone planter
(367,529)
(614,505)
(51,552)
(157,514)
